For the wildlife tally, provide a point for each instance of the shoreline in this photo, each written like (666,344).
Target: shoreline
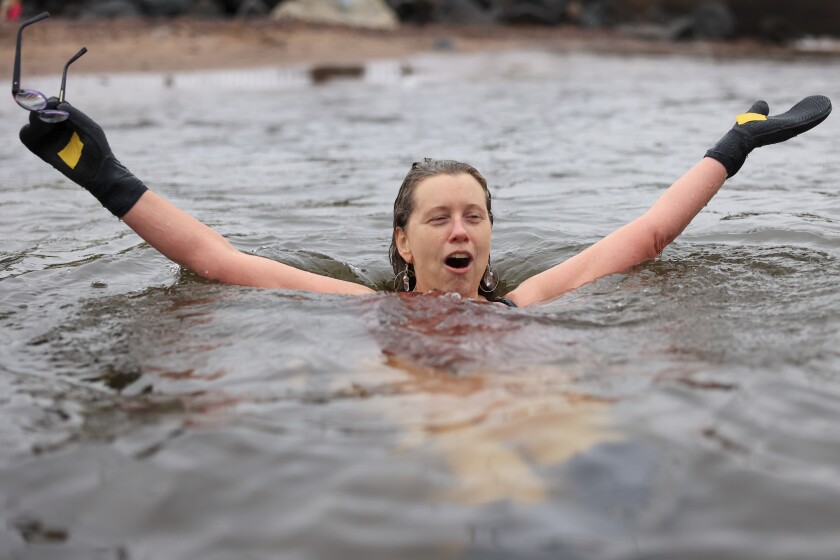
(184,44)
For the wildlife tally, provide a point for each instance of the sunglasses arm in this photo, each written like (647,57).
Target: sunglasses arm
(16,75)
(76,56)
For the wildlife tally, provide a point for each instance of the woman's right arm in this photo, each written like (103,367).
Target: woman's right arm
(79,149)
(195,246)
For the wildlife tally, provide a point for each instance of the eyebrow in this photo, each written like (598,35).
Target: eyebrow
(443,207)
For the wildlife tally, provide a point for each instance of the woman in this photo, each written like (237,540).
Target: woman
(442,214)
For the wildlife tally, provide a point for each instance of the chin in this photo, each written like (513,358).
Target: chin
(455,284)
(464,289)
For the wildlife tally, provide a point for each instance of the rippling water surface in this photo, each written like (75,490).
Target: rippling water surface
(685,409)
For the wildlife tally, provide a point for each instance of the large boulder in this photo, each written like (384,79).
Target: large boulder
(371,14)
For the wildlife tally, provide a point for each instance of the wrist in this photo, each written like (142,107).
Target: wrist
(731,151)
(116,188)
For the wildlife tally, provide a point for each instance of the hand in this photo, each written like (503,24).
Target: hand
(78,148)
(755,129)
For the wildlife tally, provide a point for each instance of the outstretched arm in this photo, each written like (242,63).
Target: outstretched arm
(645,238)
(640,240)
(79,149)
(195,246)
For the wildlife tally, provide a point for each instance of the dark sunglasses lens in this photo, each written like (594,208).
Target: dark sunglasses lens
(31,100)
(53,116)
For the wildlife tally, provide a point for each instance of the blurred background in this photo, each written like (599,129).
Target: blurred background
(776,21)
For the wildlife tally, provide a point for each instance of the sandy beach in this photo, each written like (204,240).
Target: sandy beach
(191,44)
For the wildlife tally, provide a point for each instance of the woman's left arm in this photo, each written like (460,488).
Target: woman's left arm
(640,240)
(646,237)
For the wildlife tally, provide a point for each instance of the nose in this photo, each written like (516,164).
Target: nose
(459,231)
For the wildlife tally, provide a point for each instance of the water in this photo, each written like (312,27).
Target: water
(686,409)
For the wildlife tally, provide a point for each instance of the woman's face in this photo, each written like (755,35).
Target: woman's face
(447,237)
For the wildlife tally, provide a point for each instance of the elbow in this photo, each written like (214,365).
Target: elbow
(218,270)
(212,265)
(660,240)
(656,239)
(210,272)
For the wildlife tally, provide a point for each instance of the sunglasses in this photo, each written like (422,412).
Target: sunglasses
(36,101)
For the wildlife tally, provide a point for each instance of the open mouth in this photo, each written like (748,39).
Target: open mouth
(458,261)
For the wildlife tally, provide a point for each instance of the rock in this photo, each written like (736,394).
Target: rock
(54,7)
(327,72)
(418,12)
(371,14)
(709,20)
(590,13)
(165,7)
(533,12)
(240,7)
(775,20)
(109,9)
(776,29)
(462,12)
(680,29)
(597,13)
(781,20)
(205,8)
(713,20)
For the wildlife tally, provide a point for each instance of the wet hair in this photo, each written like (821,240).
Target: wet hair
(404,203)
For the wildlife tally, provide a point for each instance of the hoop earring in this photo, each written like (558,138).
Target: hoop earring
(490,280)
(403,280)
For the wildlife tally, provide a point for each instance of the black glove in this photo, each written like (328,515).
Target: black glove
(755,129)
(78,148)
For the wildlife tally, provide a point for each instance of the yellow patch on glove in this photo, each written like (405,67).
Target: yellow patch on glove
(744,118)
(72,152)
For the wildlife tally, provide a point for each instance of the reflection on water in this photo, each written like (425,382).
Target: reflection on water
(489,428)
(495,437)
(682,410)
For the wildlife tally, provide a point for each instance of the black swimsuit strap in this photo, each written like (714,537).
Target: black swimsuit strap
(506,301)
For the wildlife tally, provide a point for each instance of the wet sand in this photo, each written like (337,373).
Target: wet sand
(191,44)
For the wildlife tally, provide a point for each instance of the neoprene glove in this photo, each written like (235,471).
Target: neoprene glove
(755,129)
(78,148)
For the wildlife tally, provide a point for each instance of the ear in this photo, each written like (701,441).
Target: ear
(403,245)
